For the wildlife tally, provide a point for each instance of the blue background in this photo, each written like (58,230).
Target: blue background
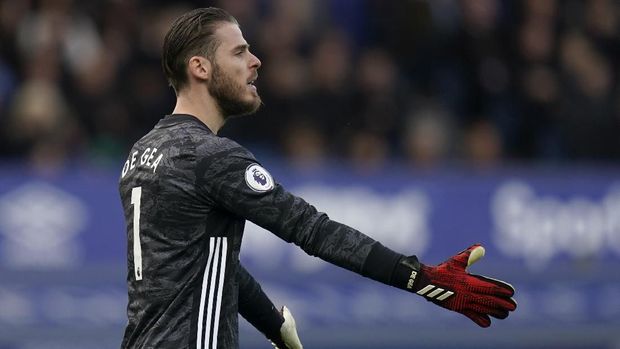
(71,292)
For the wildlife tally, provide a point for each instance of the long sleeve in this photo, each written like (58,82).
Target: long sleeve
(257,308)
(234,179)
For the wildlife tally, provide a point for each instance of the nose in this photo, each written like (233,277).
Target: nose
(254,61)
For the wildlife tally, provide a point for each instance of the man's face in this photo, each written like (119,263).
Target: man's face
(234,71)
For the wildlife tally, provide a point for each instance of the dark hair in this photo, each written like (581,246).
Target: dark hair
(191,34)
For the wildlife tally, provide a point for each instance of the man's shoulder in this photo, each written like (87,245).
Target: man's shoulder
(215,145)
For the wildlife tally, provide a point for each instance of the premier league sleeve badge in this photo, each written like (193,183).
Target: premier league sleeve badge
(258,178)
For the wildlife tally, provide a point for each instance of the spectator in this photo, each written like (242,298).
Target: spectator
(541,76)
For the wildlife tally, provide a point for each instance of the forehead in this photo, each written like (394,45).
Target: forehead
(230,36)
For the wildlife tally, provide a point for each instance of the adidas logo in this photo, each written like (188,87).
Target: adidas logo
(436,293)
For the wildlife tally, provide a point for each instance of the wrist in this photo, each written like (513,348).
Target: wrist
(260,312)
(409,274)
(273,326)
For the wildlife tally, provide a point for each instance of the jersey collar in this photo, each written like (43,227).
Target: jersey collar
(175,119)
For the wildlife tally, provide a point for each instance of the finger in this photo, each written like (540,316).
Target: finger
(504,303)
(496,312)
(499,314)
(495,286)
(509,304)
(475,255)
(467,257)
(481,320)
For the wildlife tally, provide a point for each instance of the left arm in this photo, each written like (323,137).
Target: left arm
(254,305)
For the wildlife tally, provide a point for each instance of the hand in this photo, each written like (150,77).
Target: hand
(288,332)
(450,286)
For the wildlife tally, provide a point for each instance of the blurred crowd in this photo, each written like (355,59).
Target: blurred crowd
(366,82)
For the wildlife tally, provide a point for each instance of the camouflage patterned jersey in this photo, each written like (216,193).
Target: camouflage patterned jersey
(186,194)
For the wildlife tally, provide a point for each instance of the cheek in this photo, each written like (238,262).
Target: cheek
(239,66)
(234,74)
(241,74)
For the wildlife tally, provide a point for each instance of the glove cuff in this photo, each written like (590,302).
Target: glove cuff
(408,274)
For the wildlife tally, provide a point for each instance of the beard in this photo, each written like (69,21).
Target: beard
(228,95)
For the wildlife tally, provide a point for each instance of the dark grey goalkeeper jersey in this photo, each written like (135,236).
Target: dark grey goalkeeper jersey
(186,194)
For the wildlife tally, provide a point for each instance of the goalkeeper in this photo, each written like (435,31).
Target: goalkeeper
(186,195)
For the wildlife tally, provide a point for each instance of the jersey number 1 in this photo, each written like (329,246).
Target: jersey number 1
(136,195)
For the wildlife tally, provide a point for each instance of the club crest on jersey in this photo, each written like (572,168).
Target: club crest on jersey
(258,179)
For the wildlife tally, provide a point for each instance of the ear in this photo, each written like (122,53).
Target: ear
(199,68)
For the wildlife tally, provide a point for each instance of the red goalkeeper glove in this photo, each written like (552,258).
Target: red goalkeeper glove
(450,286)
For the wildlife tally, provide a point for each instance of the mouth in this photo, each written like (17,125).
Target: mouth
(251,84)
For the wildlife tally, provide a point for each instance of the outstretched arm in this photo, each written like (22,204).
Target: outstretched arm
(243,187)
(254,305)
(448,284)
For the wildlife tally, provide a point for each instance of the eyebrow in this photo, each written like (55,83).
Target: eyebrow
(241,47)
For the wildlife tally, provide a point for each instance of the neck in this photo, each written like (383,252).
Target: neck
(201,105)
